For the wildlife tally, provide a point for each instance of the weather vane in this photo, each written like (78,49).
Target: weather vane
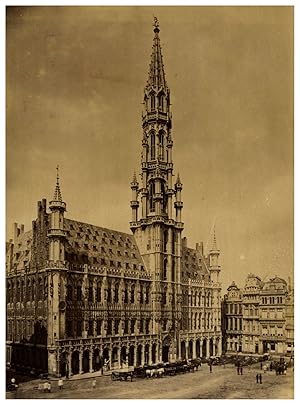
(155,23)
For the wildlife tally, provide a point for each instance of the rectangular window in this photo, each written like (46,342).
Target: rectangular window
(126,327)
(117,323)
(109,327)
(79,328)
(98,294)
(91,328)
(91,298)
(98,326)
(132,326)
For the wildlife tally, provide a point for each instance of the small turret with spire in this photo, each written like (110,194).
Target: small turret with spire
(134,202)
(214,254)
(56,232)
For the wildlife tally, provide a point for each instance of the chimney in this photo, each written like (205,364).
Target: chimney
(22,229)
(184,242)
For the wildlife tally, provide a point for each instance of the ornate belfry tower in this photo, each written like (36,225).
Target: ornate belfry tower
(156,204)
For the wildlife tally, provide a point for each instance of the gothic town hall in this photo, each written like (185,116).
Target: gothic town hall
(79,294)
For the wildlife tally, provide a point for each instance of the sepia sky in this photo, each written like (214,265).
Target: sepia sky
(75,79)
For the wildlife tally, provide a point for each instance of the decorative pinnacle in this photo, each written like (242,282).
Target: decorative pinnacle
(57,193)
(134,183)
(178,179)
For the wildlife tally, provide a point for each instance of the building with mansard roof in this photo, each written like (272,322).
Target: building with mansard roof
(79,295)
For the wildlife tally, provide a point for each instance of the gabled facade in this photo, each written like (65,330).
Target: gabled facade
(266,317)
(79,294)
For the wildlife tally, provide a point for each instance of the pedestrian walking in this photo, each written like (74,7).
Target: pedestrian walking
(60,384)
(45,386)
(257,377)
(241,369)
(260,378)
(261,365)
(94,383)
(210,367)
(49,386)
(238,370)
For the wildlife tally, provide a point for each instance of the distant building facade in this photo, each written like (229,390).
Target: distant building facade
(267,317)
(79,294)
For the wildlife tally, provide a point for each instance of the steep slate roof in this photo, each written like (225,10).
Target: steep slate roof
(22,250)
(193,264)
(101,246)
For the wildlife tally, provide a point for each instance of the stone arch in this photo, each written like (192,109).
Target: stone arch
(147,356)
(106,353)
(131,356)
(211,345)
(96,360)
(139,355)
(86,361)
(183,350)
(123,356)
(153,358)
(204,346)
(63,365)
(75,362)
(197,348)
(115,357)
(190,354)
(166,349)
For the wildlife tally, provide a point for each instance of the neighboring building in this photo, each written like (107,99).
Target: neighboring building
(78,294)
(267,317)
(232,331)
(272,316)
(251,328)
(289,316)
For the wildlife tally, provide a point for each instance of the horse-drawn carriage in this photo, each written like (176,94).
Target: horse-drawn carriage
(121,375)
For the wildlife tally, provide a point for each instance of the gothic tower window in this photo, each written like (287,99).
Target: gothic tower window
(165,241)
(161,145)
(152,146)
(165,198)
(151,197)
(152,97)
(161,102)
(165,269)
(173,270)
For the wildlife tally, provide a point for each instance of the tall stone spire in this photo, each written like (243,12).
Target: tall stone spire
(156,77)
(57,193)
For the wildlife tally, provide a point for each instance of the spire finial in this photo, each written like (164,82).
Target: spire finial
(214,243)
(155,24)
(57,174)
(57,193)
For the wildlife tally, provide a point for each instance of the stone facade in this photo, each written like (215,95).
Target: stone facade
(79,295)
(267,317)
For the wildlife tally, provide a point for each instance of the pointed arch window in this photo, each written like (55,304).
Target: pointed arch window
(165,269)
(161,102)
(152,146)
(161,137)
(152,100)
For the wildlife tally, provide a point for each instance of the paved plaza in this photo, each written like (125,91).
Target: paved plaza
(222,383)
